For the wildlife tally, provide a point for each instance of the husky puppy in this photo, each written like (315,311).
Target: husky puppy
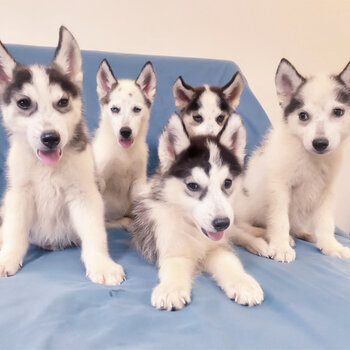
(52,198)
(289,183)
(205,109)
(179,222)
(120,147)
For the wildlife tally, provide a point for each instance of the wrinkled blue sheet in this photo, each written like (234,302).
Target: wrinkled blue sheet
(50,303)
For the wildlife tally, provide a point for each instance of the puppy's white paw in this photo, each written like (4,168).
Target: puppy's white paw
(9,264)
(282,253)
(245,291)
(337,250)
(105,271)
(258,246)
(169,296)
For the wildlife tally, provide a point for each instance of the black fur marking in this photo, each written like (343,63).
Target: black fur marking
(80,138)
(21,75)
(194,104)
(343,96)
(294,104)
(143,230)
(223,103)
(56,77)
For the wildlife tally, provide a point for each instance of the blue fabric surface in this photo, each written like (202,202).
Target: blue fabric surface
(50,303)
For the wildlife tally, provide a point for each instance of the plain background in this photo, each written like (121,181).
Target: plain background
(313,34)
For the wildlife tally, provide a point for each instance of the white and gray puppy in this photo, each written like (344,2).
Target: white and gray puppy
(51,198)
(180,222)
(120,147)
(289,183)
(204,111)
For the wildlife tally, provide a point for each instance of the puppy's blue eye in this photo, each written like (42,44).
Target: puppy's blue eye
(115,110)
(63,102)
(192,186)
(24,103)
(227,183)
(220,119)
(137,110)
(198,118)
(338,112)
(303,116)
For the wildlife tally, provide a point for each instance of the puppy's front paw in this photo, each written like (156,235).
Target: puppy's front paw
(105,271)
(258,246)
(169,297)
(9,264)
(282,253)
(245,291)
(337,250)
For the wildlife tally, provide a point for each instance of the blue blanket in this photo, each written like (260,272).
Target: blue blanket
(50,303)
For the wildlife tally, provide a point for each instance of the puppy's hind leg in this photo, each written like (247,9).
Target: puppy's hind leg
(228,272)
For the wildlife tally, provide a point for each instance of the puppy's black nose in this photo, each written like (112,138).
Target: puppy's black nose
(221,224)
(50,139)
(320,144)
(125,132)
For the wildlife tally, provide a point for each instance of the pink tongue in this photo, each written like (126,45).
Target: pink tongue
(49,158)
(215,236)
(126,143)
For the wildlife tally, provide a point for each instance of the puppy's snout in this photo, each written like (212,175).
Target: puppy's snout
(125,132)
(50,139)
(320,144)
(221,224)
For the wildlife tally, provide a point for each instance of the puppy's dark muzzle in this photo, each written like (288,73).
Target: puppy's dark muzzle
(50,139)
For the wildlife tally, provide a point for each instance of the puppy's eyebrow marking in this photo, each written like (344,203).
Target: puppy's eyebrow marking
(20,77)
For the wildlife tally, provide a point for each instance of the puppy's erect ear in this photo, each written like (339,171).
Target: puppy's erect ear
(105,79)
(147,81)
(173,140)
(287,81)
(345,75)
(67,56)
(183,93)
(233,136)
(7,65)
(233,90)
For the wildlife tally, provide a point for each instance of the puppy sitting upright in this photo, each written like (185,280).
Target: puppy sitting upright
(289,183)
(120,147)
(51,199)
(180,222)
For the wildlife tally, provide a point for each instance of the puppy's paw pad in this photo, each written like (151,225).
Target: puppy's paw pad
(283,254)
(9,264)
(106,272)
(170,297)
(245,291)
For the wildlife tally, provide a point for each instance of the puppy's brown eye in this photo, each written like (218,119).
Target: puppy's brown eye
(303,116)
(198,118)
(115,110)
(220,119)
(193,186)
(63,102)
(338,112)
(24,103)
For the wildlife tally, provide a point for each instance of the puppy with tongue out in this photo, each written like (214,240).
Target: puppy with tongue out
(180,220)
(119,146)
(51,154)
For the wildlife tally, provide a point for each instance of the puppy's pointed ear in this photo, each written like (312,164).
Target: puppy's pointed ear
(105,79)
(173,140)
(7,65)
(183,93)
(344,76)
(233,90)
(233,136)
(287,81)
(68,57)
(147,81)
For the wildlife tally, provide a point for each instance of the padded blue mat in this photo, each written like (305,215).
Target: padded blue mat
(50,304)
